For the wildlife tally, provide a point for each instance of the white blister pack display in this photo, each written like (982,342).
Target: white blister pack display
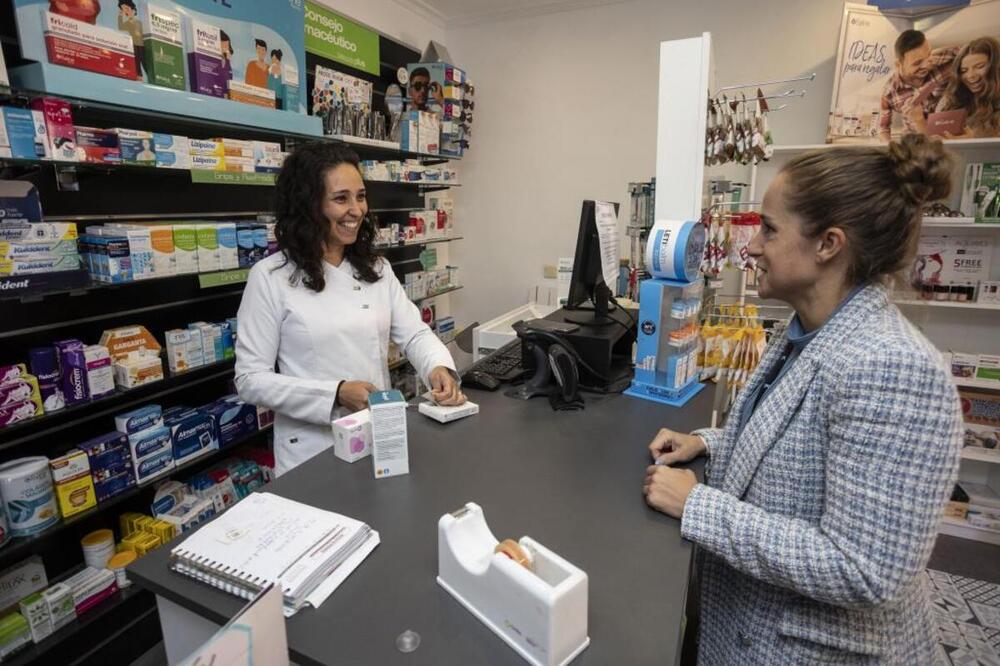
(541,611)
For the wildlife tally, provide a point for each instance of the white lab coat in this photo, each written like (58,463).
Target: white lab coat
(319,340)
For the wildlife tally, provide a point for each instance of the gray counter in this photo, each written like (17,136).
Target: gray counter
(570,480)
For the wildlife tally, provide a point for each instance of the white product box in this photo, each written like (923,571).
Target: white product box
(208,248)
(185,248)
(100,376)
(140,247)
(196,354)
(208,162)
(36,612)
(160,241)
(41,133)
(444,414)
(229,254)
(18,581)
(166,159)
(352,436)
(178,346)
(149,442)
(390,452)
(137,369)
(211,341)
(263,148)
(989,292)
(211,147)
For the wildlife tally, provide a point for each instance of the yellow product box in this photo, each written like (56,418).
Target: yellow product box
(236,147)
(163,530)
(208,163)
(23,389)
(142,524)
(211,147)
(76,495)
(240,164)
(126,523)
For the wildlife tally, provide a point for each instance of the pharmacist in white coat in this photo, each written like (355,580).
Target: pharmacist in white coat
(317,316)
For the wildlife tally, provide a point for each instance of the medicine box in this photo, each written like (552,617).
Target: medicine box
(352,436)
(20,580)
(234,419)
(100,376)
(36,613)
(25,131)
(87,46)
(148,443)
(98,146)
(60,134)
(208,248)
(204,49)
(20,389)
(76,496)
(136,147)
(163,39)
(14,634)
(154,466)
(19,204)
(137,420)
(228,252)
(178,350)
(185,248)
(128,339)
(193,434)
(390,453)
(59,603)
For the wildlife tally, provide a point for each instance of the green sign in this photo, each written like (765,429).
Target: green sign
(221,279)
(331,36)
(429,259)
(231,177)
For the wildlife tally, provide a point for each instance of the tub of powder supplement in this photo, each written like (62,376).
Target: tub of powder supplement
(28,496)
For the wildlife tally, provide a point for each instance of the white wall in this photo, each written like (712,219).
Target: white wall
(566,111)
(391,19)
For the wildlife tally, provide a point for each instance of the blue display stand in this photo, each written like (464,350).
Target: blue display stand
(665,370)
(69,82)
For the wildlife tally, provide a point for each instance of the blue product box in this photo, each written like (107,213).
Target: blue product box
(259,242)
(226,236)
(228,341)
(25,142)
(137,420)
(170,142)
(173,412)
(193,434)
(114,485)
(19,202)
(245,244)
(150,442)
(110,462)
(102,443)
(234,420)
(154,465)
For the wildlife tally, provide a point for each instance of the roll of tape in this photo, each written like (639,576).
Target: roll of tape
(675,249)
(514,551)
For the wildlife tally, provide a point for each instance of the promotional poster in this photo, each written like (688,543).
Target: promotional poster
(242,49)
(935,72)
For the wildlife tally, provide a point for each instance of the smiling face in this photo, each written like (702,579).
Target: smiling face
(915,64)
(786,259)
(973,71)
(345,203)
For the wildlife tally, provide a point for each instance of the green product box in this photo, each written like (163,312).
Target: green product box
(186,248)
(14,634)
(163,47)
(60,604)
(36,612)
(208,248)
(988,368)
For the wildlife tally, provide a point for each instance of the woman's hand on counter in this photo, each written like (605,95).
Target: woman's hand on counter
(667,489)
(354,395)
(445,388)
(669,447)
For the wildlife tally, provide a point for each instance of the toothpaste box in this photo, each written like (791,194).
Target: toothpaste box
(137,420)
(208,162)
(97,146)
(352,436)
(229,256)
(59,131)
(149,442)
(249,94)
(136,147)
(163,38)
(390,453)
(240,164)
(233,418)
(193,434)
(204,49)
(208,248)
(35,249)
(207,147)
(36,265)
(174,143)
(236,147)
(166,159)
(90,47)
(186,248)
(154,466)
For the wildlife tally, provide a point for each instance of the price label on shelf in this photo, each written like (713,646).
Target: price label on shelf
(222,278)
(230,177)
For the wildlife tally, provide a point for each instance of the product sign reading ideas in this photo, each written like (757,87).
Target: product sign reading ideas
(330,35)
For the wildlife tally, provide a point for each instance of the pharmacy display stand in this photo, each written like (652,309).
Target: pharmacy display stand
(669,301)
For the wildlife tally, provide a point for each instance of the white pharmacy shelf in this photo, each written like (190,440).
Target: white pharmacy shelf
(957,144)
(966,382)
(981,455)
(960,528)
(967,305)
(957,223)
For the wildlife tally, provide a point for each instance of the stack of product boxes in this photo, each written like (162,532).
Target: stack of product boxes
(33,609)
(200,344)
(20,396)
(27,245)
(74,483)
(235,155)
(172,151)
(420,132)
(149,440)
(111,467)
(135,356)
(422,284)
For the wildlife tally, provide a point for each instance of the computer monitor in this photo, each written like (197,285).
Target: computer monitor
(587,284)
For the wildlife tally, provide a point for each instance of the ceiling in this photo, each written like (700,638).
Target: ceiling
(455,13)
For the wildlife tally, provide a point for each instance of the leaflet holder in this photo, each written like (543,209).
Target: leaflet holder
(541,612)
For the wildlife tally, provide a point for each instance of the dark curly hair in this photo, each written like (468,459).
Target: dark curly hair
(302,229)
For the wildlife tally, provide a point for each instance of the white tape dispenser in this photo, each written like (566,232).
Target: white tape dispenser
(530,597)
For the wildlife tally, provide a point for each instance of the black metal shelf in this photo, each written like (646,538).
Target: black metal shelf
(25,432)
(24,545)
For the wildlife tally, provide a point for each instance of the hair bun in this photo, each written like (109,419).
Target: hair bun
(922,166)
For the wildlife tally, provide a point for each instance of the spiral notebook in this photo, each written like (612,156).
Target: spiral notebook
(270,539)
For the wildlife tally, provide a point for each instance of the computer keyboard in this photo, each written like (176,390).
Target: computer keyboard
(504,364)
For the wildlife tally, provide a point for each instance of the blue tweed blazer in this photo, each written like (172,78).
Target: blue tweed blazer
(817,520)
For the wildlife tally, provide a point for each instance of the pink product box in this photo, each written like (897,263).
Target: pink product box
(9,373)
(19,411)
(96,598)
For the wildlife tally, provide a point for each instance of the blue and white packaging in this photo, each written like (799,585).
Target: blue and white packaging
(137,420)
(390,452)
(149,442)
(104,443)
(19,203)
(154,466)
(228,341)
(234,419)
(245,244)
(23,133)
(193,434)
(114,484)
(259,242)
(228,253)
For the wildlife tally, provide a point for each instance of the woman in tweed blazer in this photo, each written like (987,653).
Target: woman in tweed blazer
(825,488)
